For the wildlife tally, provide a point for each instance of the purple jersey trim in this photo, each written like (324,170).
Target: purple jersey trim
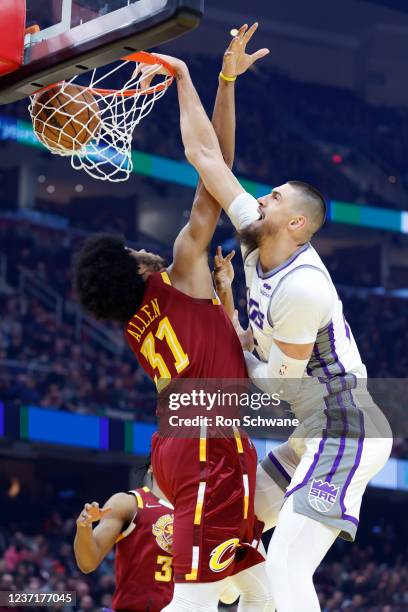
(323,364)
(355,466)
(279,466)
(346,327)
(352,519)
(316,456)
(342,444)
(283,265)
(334,353)
(343,409)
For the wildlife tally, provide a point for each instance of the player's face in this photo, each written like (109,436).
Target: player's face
(275,210)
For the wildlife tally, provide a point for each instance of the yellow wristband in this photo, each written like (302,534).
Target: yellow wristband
(226,78)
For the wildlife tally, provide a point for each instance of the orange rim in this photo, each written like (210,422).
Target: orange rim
(140,56)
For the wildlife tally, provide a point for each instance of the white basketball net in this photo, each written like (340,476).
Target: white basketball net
(106,118)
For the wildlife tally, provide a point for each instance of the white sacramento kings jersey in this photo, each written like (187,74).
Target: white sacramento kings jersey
(298,303)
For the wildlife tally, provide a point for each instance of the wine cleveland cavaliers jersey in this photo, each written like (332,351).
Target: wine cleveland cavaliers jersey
(143,561)
(174,335)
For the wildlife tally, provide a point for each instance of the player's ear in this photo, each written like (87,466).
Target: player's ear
(298,222)
(144,271)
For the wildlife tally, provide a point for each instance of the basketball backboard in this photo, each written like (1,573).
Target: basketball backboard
(68,37)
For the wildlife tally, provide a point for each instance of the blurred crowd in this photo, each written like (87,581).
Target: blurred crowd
(40,558)
(54,363)
(371,575)
(47,366)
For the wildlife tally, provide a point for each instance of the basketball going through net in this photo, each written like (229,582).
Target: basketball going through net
(94,125)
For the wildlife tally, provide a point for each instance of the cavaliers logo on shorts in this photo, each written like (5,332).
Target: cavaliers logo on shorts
(322,495)
(163,532)
(223,555)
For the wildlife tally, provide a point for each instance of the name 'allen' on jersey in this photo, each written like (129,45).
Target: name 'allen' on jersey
(174,335)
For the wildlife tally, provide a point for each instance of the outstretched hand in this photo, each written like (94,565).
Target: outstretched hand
(223,270)
(91,513)
(149,71)
(236,59)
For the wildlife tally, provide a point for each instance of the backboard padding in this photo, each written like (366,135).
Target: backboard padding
(96,42)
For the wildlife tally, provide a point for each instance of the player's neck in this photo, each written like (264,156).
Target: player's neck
(274,252)
(155,489)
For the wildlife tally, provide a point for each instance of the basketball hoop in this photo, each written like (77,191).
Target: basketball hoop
(94,124)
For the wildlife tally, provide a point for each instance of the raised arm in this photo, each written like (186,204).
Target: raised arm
(200,141)
(193,240)
(92,545)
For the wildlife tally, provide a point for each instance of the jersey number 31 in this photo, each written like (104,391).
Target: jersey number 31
(165,332)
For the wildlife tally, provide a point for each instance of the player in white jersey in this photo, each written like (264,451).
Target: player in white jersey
(306,352)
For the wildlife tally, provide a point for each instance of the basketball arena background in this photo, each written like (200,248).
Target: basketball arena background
(328,106)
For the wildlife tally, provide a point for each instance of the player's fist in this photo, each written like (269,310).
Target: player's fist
(223,270)
(149,71)
(236,59)
(91,513)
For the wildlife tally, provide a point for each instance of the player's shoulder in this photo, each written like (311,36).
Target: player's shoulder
(306,267)
(159,280)
(145,498)
(310,257)
(122,505)
(302,274)
(305,282)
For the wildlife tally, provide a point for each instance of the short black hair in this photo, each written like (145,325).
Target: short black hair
(141,472)
(317,208)
(106,278)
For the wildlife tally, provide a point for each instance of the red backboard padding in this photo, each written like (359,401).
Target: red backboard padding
(12,30)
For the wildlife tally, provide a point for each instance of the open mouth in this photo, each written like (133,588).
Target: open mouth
(261,213)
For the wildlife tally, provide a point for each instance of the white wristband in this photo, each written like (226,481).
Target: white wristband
(243,210)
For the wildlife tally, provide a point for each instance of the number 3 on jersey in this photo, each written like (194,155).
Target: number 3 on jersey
(165,332)
(166,569)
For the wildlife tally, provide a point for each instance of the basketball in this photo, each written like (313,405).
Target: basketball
(65,117)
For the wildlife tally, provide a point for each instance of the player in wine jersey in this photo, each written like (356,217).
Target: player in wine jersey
(177,328)
(140,524)
(306,353)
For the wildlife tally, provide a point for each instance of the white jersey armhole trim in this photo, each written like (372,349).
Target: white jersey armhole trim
(165,503)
